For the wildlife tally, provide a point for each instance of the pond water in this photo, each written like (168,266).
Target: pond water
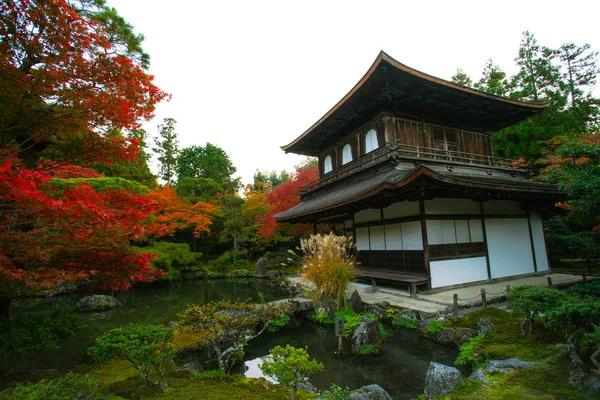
(400,369)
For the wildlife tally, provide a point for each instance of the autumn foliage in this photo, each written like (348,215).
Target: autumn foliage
(283,197)
(173,213)
(49,236)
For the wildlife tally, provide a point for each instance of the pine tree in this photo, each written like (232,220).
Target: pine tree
(167,148)
(493,80)
(460,77)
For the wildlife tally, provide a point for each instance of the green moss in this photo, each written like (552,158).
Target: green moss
(545,381)
(368,349)
(406,323)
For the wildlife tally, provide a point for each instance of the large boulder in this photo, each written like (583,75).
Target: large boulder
(97,302)
(456,337)
(506,366)
(262,267)
(589,383)
(355,302)
(479,376)
(441,379)
(367,333)
(327,306)
(370,392)
(484,325)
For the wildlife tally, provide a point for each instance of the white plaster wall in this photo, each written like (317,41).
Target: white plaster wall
(411,236)
(476,230)
(368,215)
(451,206)
(502,207)
(393,237)
(401,209)
(509,246)
(453,272)
(377,237)
(462,231)
(434,231)
(362,239)
(539,243)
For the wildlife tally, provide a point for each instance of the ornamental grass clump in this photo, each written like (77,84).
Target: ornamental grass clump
(329,261)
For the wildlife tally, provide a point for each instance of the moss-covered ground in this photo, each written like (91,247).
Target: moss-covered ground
(548,380)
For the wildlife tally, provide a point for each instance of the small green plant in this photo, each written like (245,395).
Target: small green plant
(146,347)
(406,322)
(434,327)
(382,331)
(278,323)
(390,314)
(336,392)
(71,386)
(289,365)
(368,349)
(320,317)
(469,353)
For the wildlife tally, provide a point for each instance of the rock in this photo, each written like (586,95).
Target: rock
(172,324)
(506,366)
(441,379)
(370,392)
(589,383)
(275,274)
(303,304)
(367,333)
(457,337)
(306,386)
(262,267)
(375,310)
(479,376)
(97,302)
(327,306)
(192,366)
(355,302)
(384,304)
(484,325)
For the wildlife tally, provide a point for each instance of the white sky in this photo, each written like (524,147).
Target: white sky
(250,76)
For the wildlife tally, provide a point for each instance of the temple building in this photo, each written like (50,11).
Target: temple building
(407,165)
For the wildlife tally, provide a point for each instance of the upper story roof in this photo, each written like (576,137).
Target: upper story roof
(393,87)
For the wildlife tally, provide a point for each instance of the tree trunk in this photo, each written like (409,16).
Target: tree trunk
(574,349)
(5,307)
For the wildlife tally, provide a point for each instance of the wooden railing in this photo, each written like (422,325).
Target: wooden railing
(404,151)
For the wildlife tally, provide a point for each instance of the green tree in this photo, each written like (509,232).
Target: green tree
(289,366)
(265,179)
(460,77)
(493,80)
(146,347)
(531,301)
(233,220)
(167,148)
(209,161)
(198,189)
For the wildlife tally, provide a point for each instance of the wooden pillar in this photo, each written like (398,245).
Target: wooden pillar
(487,251)
(424,236)
(535,270)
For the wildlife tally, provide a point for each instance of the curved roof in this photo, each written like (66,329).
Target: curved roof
(390,86)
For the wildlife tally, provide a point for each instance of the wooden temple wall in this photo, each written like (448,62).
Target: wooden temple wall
(466,241)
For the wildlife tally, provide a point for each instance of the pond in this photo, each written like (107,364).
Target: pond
(400,369)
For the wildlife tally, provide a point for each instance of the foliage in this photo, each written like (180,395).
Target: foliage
(460,77)
(172,255)
(289,366)
(406,322)
(470,353)
(71,386)
(56,236)
(591,289)
(232,325)
(264,180)
(197,189)
(24,336)
(69,72)
(279,323)
(336,392)
(531,301)
(174,213)
(146,347)
(167,148)
(434,326)
(367,349)
(329,261)
(574,319)
(100,185)
(493,80)
(209,162)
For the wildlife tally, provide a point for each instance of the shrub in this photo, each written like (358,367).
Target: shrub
(469,353)
(591,289)
(71,386)
(368,349)
(434,326)
(406,322)
(531,300)
(329,261)
(146,347)
(172,255)
(336,392)
(279,323)
(289,365)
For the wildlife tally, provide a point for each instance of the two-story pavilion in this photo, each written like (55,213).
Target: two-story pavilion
(406,163)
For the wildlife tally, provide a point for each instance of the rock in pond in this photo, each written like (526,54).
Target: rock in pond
(355,303)
(262,267)
(97,302)
(508,365)
(441,379)
(370,392)
(367,333)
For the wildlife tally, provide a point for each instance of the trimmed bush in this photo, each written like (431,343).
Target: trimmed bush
(531,301)
(70,387)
